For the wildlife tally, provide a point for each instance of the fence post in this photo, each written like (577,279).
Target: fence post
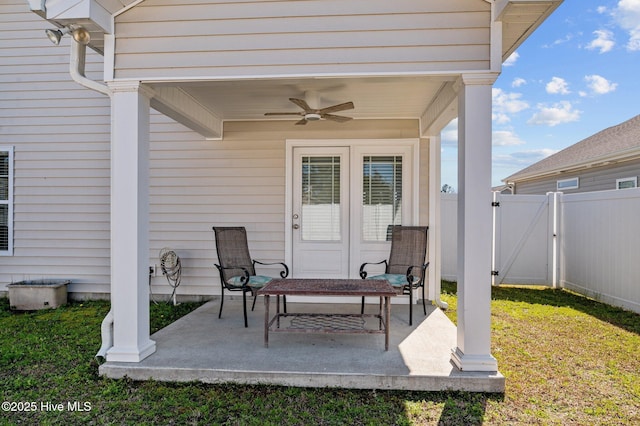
(551,239)
(494,239)
(558,253)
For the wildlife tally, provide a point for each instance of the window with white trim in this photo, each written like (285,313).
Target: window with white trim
(381,196)
(573,183)
(321,209)
(6,200)
(624,183)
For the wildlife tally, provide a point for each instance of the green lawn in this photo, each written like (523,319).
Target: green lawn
(568,360)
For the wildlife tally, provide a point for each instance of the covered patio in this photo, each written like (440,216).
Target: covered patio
(201,347)
(410,67)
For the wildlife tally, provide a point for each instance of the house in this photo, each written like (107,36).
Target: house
(609,159)
(158,131)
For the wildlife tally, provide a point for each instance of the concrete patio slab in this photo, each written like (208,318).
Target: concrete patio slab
(201,347)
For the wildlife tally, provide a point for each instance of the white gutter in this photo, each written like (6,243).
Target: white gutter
(39,7)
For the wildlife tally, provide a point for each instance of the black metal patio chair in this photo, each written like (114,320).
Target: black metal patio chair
(237,268)
(406,267)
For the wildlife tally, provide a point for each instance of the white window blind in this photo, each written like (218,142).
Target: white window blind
(381,196)
(6,200)
(320,216)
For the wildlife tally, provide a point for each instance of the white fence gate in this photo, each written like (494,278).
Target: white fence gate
(588,242)
(523,239)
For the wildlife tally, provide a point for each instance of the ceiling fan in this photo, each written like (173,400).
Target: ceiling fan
(311,114)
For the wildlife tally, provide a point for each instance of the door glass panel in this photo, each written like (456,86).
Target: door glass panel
(320,216)
(381,196)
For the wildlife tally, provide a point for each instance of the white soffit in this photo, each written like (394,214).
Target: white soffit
(519,19)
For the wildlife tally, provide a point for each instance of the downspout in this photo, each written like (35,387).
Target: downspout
(77,71)
(106,331)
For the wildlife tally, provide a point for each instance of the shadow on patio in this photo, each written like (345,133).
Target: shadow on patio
(201,347)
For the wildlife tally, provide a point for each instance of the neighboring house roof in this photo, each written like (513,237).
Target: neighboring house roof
(611,144)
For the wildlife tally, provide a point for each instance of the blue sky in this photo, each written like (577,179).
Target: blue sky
(577,74)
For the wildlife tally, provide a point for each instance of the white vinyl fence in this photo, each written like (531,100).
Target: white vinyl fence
(589,242)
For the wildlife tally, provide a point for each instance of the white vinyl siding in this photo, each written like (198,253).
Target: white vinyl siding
(270,38)
(60,132)
(60,135)
(239,181)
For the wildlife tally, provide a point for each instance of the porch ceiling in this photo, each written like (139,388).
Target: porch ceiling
(373,97)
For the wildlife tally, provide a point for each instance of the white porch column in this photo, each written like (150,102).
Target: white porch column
(130,223)
(435,239)
(474,224)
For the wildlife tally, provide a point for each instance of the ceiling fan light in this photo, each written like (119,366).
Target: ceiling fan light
(312,117)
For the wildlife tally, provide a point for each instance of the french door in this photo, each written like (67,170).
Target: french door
(320,218)
(343,199)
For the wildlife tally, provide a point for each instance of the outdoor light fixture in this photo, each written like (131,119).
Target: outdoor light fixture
(80,35)
(56,35)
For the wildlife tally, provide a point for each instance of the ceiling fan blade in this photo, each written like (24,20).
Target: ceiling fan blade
(284,113)
(302,104)
(338,118)
(340,107)
(301,122)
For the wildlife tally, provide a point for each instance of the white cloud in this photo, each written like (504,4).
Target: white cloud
(517,82)
(603,42)
(599,85)
(560,41)
(506,138)
(627,16)
(449,135)
(522,159)
(505,104)
(559,113)
(511,60)
(558,86)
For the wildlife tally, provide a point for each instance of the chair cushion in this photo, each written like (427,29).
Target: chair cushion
(396,280)
(255,281)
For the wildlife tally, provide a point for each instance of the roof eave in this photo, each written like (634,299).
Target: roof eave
(524,16)
(626,155)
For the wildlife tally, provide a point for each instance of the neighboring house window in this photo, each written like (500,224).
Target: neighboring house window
(6,201)
(573,183)
(624,183)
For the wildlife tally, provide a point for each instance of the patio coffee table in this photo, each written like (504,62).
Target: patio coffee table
(327,322)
